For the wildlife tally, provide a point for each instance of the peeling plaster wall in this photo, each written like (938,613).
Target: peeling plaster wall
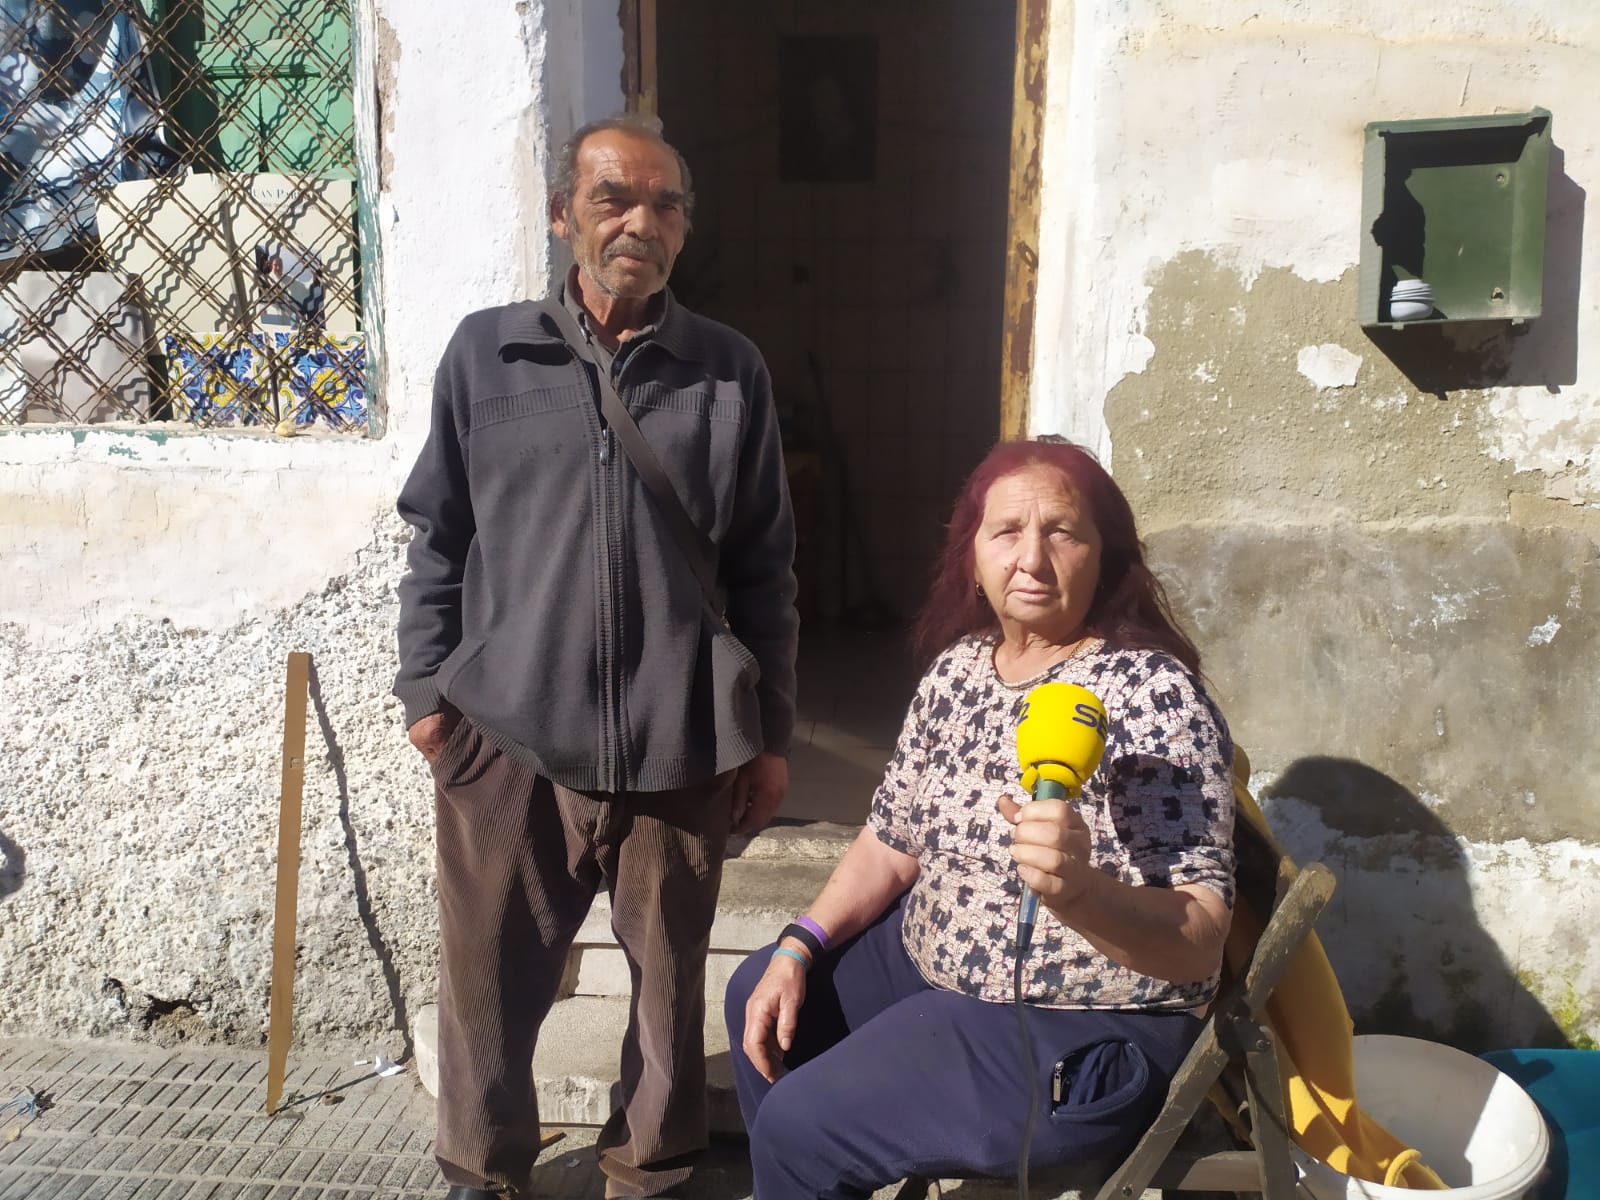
(155,580)
(1386,544)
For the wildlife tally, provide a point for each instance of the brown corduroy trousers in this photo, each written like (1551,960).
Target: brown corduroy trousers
(520,861)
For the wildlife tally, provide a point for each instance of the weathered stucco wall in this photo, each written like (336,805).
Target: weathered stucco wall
(1386,544)
(153,585)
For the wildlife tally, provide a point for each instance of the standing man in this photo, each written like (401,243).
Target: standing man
(587,721)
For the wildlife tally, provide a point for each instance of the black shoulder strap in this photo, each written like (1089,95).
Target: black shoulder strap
(693,543)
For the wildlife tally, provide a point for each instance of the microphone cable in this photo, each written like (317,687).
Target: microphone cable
(1024,940)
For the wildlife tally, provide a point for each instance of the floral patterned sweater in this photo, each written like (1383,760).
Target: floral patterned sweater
(1159,811)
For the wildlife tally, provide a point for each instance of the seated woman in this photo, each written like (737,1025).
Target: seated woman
(879,1040)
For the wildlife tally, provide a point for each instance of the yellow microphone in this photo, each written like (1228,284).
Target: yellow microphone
(1060,739)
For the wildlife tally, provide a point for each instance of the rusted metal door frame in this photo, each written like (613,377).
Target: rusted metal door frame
(638,18)
(1022,219)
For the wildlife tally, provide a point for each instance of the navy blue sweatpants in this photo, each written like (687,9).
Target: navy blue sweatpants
(889,1077)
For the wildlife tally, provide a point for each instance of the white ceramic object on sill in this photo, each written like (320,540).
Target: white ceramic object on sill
(1409,310)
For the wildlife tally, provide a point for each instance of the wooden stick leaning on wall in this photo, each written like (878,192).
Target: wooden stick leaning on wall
(280,1023)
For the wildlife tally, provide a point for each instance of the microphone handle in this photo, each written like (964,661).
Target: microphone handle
(1045,789)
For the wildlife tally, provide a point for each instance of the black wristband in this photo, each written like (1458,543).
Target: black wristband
(805,937)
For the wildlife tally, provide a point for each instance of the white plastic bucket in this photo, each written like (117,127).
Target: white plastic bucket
(1473,1125)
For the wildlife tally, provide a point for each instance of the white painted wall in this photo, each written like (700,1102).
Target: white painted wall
(1478,939)
(155,579)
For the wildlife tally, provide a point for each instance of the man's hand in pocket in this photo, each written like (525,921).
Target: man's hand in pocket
(430,733)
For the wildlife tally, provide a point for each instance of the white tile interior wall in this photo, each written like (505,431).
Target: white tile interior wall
(893,287)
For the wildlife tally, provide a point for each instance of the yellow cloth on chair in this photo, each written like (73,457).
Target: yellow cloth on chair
(1312,1030)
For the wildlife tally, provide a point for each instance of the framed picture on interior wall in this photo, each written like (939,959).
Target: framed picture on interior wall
(827,108)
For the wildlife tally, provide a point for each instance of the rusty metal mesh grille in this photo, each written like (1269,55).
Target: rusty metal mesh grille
(178,214)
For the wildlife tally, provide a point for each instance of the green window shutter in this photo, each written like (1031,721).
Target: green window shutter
(265,85)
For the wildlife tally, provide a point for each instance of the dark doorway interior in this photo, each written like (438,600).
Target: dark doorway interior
(851,168)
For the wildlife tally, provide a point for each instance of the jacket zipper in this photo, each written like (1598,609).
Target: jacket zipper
(610,732)
(624,755)
(609,651)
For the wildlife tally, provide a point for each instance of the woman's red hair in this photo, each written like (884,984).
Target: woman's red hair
(1130,606)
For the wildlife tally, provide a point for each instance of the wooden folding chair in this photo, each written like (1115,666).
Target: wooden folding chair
(1235,1032)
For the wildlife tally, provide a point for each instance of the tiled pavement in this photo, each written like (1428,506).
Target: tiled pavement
(121,1122)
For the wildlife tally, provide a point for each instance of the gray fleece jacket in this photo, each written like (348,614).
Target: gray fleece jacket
(546,598)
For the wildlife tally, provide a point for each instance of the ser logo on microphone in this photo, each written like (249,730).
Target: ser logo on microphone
(1083,713)
(1087,714)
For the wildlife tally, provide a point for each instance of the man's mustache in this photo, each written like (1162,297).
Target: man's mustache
(633,248)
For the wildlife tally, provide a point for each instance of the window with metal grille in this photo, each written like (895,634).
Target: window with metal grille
(178,214)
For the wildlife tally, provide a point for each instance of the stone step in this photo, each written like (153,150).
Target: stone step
(759,896)
(576,1065)
(602,971)
(765,879)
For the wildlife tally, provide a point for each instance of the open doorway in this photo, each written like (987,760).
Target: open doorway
(851,167)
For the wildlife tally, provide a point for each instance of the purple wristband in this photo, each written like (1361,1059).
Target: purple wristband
(818,930)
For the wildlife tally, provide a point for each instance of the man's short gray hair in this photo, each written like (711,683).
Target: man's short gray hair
(643,125)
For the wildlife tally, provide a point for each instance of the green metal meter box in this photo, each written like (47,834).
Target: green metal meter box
(1453,211)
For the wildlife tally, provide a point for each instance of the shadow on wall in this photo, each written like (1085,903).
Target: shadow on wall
(12,861)
(1439,358)
(1410,932)
(358,873)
